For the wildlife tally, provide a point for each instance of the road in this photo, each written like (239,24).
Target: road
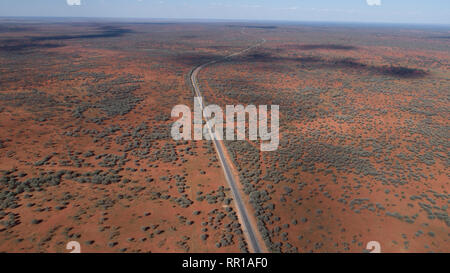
(243,214)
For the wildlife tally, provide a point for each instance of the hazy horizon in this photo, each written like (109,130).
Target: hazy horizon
(433,12)
(219,20)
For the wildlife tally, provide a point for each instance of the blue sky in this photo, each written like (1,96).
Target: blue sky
(388,11)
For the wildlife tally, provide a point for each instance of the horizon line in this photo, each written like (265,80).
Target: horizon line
(202,20)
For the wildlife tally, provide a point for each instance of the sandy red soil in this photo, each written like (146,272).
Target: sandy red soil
(86,155)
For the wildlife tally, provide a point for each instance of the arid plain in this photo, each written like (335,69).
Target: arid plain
(86,153)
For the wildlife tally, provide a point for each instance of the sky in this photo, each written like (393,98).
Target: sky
(380,11)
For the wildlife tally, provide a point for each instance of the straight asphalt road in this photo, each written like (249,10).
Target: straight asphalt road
(242,209)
